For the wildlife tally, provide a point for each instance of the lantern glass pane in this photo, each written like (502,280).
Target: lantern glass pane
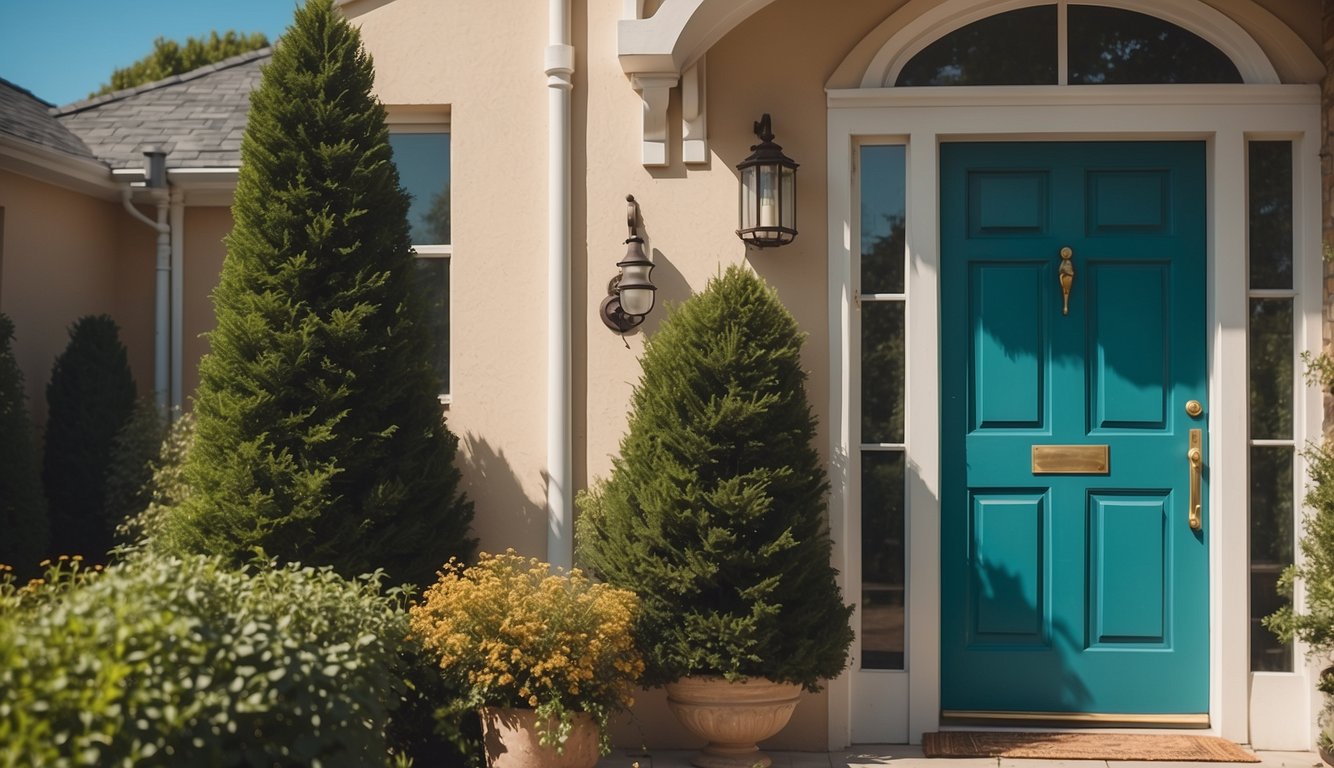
(749,198)
(768,196)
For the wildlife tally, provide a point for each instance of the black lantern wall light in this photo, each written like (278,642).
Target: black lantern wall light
(768,192)
(630,294)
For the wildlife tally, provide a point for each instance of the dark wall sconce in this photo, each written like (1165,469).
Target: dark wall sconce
(768,192)
(630,294)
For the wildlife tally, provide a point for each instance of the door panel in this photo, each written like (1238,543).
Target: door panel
(1072,582)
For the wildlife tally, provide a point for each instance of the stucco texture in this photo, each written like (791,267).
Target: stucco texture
(60,259)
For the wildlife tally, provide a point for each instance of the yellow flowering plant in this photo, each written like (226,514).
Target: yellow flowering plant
(514,632)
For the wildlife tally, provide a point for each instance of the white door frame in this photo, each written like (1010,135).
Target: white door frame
(1269,710)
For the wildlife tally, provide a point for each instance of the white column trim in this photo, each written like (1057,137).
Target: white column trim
(694,114)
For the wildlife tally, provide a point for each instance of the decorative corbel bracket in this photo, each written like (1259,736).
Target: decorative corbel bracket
(655,90)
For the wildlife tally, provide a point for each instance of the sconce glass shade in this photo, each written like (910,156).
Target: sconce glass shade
(637,292)
(768,193)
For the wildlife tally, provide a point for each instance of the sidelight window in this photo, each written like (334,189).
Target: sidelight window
(1271,353)
(882,299)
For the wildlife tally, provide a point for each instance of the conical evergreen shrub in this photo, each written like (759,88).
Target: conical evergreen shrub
(22,505)
(714,512)
(89,398)
(318,433)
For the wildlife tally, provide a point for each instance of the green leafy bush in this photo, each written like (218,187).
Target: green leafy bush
(182,661)
(22,505)
(1314,622)
(166,486)
(134,450)
(714,513)
(319,436)
(89,398)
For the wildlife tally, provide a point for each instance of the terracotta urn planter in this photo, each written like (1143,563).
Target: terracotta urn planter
(511,741)
(732,716)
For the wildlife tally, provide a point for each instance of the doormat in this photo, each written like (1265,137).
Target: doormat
(1085,746)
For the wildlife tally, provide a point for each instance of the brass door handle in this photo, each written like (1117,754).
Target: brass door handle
(1067,276)
(1195,455)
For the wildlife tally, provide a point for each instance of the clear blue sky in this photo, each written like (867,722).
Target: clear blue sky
(62,50)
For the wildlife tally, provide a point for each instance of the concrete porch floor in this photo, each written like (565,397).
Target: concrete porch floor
(903,756)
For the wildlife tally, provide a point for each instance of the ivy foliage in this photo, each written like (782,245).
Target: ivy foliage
(714,512)
(89,398)
(318,434)
(22,503)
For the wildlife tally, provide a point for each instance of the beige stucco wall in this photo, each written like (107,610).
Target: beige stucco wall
(205,228)
(432,53)
(133,288)
(58,262)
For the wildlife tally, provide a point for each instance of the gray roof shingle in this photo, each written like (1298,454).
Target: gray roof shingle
(24,116)
(197,116)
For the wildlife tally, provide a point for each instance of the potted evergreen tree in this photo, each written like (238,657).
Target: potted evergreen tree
(714,513)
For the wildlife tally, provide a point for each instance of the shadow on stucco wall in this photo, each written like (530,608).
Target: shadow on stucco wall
(504,515)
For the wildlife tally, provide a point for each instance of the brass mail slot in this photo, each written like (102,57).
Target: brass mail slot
(1071,459)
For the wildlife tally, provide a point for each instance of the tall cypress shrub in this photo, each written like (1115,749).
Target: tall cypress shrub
(714,512)
(319,436)
(22,505)
(89,398)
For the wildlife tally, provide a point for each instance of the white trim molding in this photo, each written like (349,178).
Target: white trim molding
(878,706)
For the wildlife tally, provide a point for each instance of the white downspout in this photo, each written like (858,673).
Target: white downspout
(559,68)
(177,296)
(161,292)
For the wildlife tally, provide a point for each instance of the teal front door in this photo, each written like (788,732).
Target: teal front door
(1074,513)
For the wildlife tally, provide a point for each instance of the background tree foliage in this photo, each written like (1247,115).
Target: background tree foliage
(22,505)
(89,398)
(172,58)
(318,433)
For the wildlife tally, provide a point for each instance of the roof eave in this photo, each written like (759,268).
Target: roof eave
(83,175)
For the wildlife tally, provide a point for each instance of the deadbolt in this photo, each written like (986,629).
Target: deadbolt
(1193,408)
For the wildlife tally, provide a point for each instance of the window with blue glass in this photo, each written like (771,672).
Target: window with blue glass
(422,157)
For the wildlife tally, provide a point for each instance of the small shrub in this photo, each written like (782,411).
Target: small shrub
(89,398)
(1313,623)
(166,486)
(130,467)
(22,505)
(166,661)
(511,633)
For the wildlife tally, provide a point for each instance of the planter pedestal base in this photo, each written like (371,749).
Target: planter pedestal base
(732,717)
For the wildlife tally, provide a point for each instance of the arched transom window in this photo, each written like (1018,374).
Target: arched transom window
(1068,44)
